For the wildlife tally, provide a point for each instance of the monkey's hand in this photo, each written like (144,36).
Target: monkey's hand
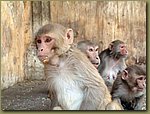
(57,108)
(51,94)
(114,105)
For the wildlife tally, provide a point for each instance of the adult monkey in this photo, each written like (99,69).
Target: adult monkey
(71,77)
(91,51)
(112,61)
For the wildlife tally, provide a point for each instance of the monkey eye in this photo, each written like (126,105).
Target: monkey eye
(122,46)
(96,49)
(90,49)
(39,41)
(141,78)
(48,39)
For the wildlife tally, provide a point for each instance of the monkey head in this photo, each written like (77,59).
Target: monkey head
(135,78)
(51,41)
(92,54)
(118,49)
(91,51)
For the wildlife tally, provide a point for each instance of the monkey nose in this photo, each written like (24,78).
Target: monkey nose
(114,77)
(97,57)
(144,84)
(41,50)
(108,77)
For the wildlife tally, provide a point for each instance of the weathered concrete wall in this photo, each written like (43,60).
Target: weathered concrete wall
(105,21)
(40,16)
(15,37)
(98,21)
(33,67)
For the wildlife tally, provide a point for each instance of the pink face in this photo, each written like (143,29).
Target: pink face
(123,50)
(140,84)
(92,53)
(45,46)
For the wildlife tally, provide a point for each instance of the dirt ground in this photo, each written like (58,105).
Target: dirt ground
(30,95)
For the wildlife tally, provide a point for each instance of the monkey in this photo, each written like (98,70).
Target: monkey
(91,50)
(71,78)
(112,61)
(129,88)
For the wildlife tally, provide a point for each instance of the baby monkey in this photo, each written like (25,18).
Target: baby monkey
(129,88)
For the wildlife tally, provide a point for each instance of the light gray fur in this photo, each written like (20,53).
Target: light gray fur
(77,83)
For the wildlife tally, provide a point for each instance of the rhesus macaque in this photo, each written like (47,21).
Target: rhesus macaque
(91,51)
(112,61)
(70,76)
(129,88)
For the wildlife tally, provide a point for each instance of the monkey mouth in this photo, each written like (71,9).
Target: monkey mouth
(96,64)
(140,89)
(124,54)
(43,58)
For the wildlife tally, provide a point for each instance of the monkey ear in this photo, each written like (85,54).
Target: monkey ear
(69,36)
(110,46)
(125,75)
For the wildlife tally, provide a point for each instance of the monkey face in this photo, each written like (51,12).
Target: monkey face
(140,83)
(135,78)
(92,54)
(52,40)
(46,48)
(118,49)
(123,50)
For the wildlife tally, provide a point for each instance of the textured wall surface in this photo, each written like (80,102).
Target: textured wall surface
(15,37)
(105,21)
(98,21)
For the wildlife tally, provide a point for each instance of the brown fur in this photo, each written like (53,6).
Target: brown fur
(126,90)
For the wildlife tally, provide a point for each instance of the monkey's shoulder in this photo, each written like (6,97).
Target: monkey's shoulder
(111,65)
(104,54)
(123,91)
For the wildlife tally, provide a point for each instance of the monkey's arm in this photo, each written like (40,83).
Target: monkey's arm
(53,97)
